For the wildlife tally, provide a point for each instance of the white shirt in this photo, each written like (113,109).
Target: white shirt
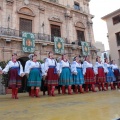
(50,62)
(43,69)
(74,66)
(97,65)
(27,65)
(63,64)
(114,66)
(33,65)
(106,65)
(86,65)
(13,64)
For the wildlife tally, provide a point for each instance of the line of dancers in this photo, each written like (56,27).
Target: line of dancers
(81,77)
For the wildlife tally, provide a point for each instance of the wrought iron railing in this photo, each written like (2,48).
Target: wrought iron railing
(38,36)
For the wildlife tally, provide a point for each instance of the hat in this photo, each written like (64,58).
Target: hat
(44,59)
(14,54)
(30,56)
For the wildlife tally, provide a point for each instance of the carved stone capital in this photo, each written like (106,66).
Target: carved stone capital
(55,18)
(10,2)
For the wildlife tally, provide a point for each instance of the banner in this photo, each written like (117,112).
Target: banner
(59,45)
(85,48)
(28,42)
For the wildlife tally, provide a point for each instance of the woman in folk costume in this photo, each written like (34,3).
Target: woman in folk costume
(35,76)
(15,73)
(65,74)
(26,70)
(43,87)
(89,75)
(52,73)
(78,77)
(110,78)
(116,73)
(100,71)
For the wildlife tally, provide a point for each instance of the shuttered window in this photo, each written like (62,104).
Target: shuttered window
(80,35)
(25,25)
(55,32)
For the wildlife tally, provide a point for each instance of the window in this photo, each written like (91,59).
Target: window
(116,19)
(80,35)
(25,25)
(55,31)
(76,6)
(118,38)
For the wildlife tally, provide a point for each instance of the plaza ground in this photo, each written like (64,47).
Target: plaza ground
(88,106)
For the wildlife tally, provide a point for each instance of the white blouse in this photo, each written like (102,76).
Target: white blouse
(97,65)
(43,69)
(106,65)
(63,64)
(33,65)
(74,66)
(114,66)
(12,64)
(50,62)
(27,66)
(86,65)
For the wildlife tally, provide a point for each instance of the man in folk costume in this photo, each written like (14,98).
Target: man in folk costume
(15,73)
(100,71)
(78,77)
(52,73)
(26,70)
(89,75)
(44,74)
(35,76)
(65,74)
(110,77)
(116,73)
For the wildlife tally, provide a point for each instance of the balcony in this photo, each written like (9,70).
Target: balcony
(7,32)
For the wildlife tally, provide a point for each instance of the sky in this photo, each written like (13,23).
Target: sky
(100,8)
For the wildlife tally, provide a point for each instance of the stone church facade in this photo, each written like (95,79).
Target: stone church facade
(68,19)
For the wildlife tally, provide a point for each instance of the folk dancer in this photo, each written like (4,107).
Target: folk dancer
(52,73)
(65,74)
(116,73)
(77,72)
(15,70)
(110,78)
(89,75)
(26,70)
(100,71)
(35,76)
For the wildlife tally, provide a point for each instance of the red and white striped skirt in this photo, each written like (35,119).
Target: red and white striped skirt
(100,77)
(89,76)
(51,78)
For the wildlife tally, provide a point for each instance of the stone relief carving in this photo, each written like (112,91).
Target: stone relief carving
(55,18)
(10,2)
(80,25)
(26,11)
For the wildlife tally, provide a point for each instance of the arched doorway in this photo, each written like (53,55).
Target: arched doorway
(24,79)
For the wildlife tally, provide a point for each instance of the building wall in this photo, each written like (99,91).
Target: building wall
(43,11)
(112,29)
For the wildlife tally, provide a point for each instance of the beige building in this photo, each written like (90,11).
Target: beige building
(68,19)
(99,45)
(113,25)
